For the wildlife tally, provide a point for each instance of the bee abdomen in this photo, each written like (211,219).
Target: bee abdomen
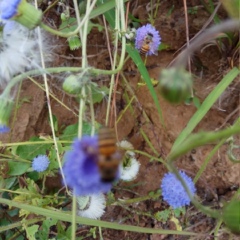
(144,50)
(107,141)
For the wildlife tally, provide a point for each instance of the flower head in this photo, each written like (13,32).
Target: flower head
(80,168)
(130,166)
(148,31)
(9,8)
(19,50)
(130,171)
(173,192)
(21,11)
(40,163)
(4,128)
(91,206)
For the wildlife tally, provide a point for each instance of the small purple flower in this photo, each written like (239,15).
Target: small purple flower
(40,163)
(4,128)
(145,32)
(9,9)
(80,168)
(173,192)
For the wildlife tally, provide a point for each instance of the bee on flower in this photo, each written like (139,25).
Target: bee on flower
(147,40)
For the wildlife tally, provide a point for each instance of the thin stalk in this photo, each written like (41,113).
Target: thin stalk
(76,31)
(119,9)
(35,72)
(206,210)
(49,102)
(15,109)
(91,111)
(53,96)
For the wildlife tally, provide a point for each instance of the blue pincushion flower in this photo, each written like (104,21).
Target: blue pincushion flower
(80,168)
(40,163)
(173,192)
(146,31)
(4,128)
(9,8)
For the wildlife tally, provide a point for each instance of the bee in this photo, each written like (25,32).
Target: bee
(109,157)
(146,44)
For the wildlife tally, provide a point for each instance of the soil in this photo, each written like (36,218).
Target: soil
(221,177)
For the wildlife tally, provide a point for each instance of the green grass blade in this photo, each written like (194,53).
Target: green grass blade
(206,105)
(133,53)
(106,8)
(200,139)
(66,216)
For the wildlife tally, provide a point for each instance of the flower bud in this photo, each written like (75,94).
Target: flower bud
(175,84)
(74,42)
(22,12)
(72,85)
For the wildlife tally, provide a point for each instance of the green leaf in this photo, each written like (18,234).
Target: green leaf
(232,7)
(206,105)
(162,215)
(177,211)
(8,183)
(71,131)
(106,8)
(44,230)
(31,231)
(30,151)
(163,46)
(69,25)
(98,93)
(17,168)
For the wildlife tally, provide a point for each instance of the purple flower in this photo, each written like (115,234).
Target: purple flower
(40,163)
(148,31)
(173,192)
(4,128)
(9,8)
(80,168)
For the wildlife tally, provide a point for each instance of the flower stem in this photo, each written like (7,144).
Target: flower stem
(118,28)
(76,31)
(22,76)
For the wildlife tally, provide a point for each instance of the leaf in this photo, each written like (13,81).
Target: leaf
(162,215)
(71,131)
(31,231)
(30,151)
(17,168)
(206,105)
(8,182)
(44,230)
(98,93)
(177,211)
